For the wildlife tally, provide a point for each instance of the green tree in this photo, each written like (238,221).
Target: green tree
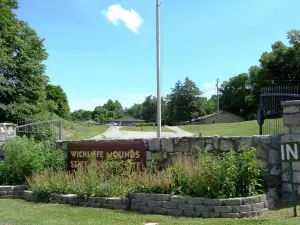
(184,102)
(56,95)
(114,106)
(233,95)
(136,111)
(101,115)
(22,79)
(81,115)
(149,112)
(211,105)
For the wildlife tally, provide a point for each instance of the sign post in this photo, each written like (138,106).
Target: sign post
(290,152)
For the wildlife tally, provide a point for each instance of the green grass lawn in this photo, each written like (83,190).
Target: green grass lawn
(247,128)
(144,129)
(76,131)
(24,213)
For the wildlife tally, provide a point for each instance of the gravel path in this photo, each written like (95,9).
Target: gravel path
(114,133)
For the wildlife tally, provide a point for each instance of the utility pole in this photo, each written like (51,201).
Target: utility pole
(218,102)
(158,68)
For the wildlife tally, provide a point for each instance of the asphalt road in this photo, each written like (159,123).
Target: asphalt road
(114,133)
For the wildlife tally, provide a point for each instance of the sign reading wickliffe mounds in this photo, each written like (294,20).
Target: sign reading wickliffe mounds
(80,152)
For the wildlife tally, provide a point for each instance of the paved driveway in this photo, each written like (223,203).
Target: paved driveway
(114,133)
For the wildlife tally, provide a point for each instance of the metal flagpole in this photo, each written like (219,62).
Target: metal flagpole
(158,68)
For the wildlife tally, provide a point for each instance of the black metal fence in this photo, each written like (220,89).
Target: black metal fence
(270,112)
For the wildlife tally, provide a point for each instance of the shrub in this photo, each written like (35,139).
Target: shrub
(151,124)
(25,156)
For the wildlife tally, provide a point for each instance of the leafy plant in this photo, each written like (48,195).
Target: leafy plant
(24,157)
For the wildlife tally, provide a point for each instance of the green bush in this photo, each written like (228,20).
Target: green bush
(25,156)
(226,175)
(151,124)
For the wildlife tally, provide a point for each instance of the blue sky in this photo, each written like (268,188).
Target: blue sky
(106,49)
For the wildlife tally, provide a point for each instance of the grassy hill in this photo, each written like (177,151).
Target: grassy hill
(78,131)
(247,128)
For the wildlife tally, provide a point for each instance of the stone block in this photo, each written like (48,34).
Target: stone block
(153,145)
(108,206)
(189,213)
(261,198)
(186,207)
(174,212)
(286,130)
(7,197)
(276,170)
(257,206)
(92,200)
(3,193)
(196,201)
(121,207)
(138,202)
(183,146)
(222,209)
(250,200)
(245,141)
(262,212)
(177,199)
(145,209)
(286,188)
(270,203)
(253,214)
(160,210)
(19,188)
(96,205)
(203,208)
(295,129)
(245,215)
(235,209)
(230,215)
(161,197)
(114,201)
(232,201)
(290,109)
(125,201)
(266,139)
(170,205)
(275,140)
(291,119)
(272,192)
(198,144)
(134,208)
(167,145)
(245,208)
(216,142)
(208,140)
(286,137)
(6,188)
(273,157)
(261,151)
(287,197)
(154,203)
(213,202)
(210,215)
(226,144)
(296,166)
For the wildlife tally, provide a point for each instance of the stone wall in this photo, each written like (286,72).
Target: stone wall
(12,192)
(199,207)
(291,128)
(170,148)
(7,131)
(172,205)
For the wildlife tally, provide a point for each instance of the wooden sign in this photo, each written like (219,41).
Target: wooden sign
(289,151)
(80,152)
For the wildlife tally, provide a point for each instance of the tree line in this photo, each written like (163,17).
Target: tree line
(26,91)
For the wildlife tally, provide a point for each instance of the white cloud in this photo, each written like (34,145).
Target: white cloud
(209,89)
(210,85)
(131,19)
(127,100)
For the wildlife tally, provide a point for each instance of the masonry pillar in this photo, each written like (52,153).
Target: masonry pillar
(7,131)
(291,130)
